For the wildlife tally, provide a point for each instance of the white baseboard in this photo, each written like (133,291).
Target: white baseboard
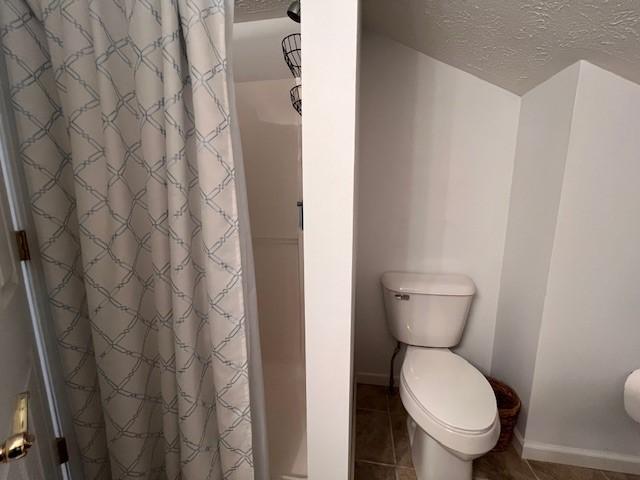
(374,378)
(598,459)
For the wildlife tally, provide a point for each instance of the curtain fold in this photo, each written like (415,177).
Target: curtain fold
(256,373)
(124,113)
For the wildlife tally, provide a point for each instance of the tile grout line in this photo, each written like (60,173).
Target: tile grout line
(380,464)
(393,443)
(396,469)
(533,472)
(601,472)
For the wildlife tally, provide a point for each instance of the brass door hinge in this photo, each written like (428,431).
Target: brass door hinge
(61,448)
(23,246)
(20,441)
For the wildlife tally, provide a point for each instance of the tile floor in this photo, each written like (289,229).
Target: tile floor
(383,452)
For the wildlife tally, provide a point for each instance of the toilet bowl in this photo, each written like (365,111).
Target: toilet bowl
(453,415)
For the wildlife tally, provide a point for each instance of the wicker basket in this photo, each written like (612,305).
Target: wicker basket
(508,410)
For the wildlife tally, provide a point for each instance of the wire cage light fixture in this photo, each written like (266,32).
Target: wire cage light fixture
(292,52)
(296,98)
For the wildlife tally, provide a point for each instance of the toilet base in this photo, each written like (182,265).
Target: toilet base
(432,461)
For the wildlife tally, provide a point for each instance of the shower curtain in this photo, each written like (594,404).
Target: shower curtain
(124,113)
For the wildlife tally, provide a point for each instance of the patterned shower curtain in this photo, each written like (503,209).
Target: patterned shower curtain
(123,110)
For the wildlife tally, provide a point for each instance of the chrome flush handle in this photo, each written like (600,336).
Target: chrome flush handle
(401,296)
(17,445)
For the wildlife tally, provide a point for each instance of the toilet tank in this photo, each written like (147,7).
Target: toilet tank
(427,309)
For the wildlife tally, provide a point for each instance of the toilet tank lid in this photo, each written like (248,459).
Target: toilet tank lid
(428,283)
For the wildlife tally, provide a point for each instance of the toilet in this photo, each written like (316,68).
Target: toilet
(453,416)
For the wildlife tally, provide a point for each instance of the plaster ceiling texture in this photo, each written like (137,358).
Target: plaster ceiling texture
(515,44)
(251,10)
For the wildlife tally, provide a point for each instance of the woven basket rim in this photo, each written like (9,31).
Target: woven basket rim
(507,391)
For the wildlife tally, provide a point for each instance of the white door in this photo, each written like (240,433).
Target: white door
(19,366)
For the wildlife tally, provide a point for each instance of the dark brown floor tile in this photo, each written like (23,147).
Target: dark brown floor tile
(369,471)
(401,440)
(371,397)
(406,474)
(502,466)
(555,471)
(621,476)
(395,404)
(373,437)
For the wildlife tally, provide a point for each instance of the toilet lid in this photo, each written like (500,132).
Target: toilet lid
(449,389)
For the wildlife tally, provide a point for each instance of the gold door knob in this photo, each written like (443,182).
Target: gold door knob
(18,444)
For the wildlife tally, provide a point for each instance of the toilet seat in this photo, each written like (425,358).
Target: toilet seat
(449,399)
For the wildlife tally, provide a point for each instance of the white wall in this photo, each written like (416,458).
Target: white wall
(329,148)
(436,158)
(257,50)
(590,334)
(270,131)
(438,148)
(543,139)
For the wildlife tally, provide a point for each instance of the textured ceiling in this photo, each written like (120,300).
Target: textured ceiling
(249,10)
(515,44)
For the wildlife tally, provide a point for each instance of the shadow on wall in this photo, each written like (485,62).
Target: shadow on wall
(436,158)
(392,212)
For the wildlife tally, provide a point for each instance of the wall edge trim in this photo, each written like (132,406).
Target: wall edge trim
(581,457)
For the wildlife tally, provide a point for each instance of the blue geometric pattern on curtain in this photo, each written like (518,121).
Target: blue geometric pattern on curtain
(122,110)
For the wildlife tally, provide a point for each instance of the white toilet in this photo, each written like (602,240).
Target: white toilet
(452,408)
